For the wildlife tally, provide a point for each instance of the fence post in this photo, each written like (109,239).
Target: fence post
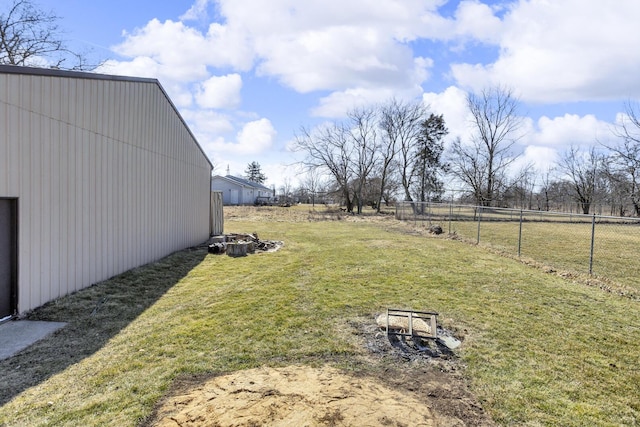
(520,234)
(593,235)
(479,219)
(450,214)
(414,207)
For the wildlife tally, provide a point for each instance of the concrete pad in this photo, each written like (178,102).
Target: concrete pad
(17,335)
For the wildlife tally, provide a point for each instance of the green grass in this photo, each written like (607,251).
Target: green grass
(538,350)
(561,242)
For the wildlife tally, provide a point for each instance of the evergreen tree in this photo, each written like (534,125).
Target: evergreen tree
(428,163)
(254,173)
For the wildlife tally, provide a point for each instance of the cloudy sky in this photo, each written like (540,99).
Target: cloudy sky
(247,74)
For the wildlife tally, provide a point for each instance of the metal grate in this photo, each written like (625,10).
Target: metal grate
(410,323)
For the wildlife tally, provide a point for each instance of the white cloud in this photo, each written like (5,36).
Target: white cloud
(563,51)
(337,104)
(197,11)
(569,129)
(336,58)
(477,21)
(548,137)
(174,51)
(542,159)
(452,104)
(207,122)
(141,66)
(332,45)
(220,92)
(254,138)
(172,45)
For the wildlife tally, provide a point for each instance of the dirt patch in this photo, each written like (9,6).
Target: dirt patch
(293,396)
(389,385)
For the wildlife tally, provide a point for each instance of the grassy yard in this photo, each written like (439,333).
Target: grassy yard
(537,349)
(559,241)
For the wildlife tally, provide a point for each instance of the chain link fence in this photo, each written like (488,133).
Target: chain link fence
(604,246)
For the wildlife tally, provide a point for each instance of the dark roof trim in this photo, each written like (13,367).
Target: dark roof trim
(53,72)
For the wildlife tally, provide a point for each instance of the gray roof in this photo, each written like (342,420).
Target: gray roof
(246,182)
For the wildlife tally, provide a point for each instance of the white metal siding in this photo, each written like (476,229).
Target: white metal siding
(107,178)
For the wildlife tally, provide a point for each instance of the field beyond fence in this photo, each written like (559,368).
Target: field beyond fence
(602,246)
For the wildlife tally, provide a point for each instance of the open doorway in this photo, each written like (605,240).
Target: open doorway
(8,258)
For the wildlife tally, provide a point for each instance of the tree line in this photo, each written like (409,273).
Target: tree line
(396,150)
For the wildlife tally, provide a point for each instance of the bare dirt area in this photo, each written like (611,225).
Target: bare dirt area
(293,396)
(390,385)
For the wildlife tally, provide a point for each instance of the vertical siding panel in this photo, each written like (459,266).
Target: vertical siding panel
(33,133)
(81,110)
(99,214)
(24,204)
(100,108)
(93,225)
(95,104)
(70,97)
(123,100)
(106,204)
(61,101)
(63,200)
(38,102)
(87,236)
(113,206)
(25,265)
(109,107)
(57,206)
(82,180)
(131,205)
(74,223)
(5,169)
(120,191)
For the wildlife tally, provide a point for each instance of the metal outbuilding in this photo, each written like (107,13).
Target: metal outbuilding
(98,174)
(240,191)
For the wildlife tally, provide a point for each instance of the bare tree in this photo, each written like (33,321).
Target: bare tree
(31,37)
(581,171)
(544,195)
(312,183)
(625,160)
(286,190)
(347,150)
(483,164)
(328,147)
(401,125)
(363,124)
(616,187)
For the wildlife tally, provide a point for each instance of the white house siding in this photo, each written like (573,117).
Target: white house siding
(107,175)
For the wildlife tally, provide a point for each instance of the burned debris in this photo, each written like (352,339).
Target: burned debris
(241,244)
(417,333)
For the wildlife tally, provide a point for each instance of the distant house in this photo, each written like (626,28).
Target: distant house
(240,191)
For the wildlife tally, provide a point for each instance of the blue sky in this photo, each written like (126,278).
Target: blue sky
(247,74)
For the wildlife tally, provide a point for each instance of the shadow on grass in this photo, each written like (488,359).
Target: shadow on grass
(94,315)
